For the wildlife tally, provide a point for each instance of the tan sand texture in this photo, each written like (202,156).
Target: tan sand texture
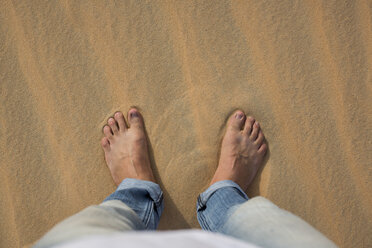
(302,68)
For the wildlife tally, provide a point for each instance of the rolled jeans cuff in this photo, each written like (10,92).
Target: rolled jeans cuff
(152,188)
(144,197)
(217,203)
(204,197)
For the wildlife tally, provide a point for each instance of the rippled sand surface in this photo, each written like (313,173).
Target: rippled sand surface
(302,68)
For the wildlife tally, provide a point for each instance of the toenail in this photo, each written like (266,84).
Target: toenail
(239,116)
(256,123)
(134,114)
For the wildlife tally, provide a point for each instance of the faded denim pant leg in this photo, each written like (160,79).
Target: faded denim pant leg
(145,198)
(225,208)
(135,205)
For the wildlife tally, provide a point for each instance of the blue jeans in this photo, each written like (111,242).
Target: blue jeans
(223,208)
(218,203)
(226,209)
(144,197)
(214,206)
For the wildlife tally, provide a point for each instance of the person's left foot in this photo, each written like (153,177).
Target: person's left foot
(125,148)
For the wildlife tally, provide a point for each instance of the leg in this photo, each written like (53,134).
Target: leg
(138,201)
(225,208)
(127,157)
(242,152)
(108,217)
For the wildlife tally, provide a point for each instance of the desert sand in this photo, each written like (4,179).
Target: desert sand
(302,68)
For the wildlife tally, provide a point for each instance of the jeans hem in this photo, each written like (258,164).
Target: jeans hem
(204,197)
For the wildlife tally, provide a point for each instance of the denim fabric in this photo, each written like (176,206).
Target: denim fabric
(217,203)
(144,197)
(264,224)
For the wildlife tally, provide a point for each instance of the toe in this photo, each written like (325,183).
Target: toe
(119,117)
(107,131)
(255,130)
(113,125)
(260,139)
(105,144)
(236,121)
(262,150)
(248,125)
(135,118)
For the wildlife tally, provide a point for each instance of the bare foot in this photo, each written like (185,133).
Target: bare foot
(125,148)
(242,151)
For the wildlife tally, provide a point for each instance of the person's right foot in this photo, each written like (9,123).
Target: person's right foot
(242,151)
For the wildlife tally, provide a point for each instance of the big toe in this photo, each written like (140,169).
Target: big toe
(236,121)
(135,118)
